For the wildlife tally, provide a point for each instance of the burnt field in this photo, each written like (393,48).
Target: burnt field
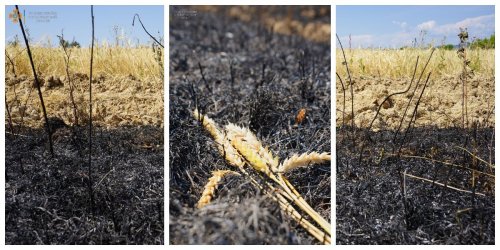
(433,193)
(244,73)
(47,198)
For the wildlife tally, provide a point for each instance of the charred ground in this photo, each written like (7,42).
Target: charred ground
(47,199)
(257,79)
(371,208)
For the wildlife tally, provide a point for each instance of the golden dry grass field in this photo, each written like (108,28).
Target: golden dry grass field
(379,72)
(127,85)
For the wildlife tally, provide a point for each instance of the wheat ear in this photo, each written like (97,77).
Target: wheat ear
(223,145)
(303,160)
(251,149)
(213,182)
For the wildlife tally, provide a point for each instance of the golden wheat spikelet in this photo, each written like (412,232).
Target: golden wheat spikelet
(223,145)
(250,146)
(251,156)
(213,182)
(303,160)
(209,125)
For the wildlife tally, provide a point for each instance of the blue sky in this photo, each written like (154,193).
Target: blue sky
(47,21)
(397,26)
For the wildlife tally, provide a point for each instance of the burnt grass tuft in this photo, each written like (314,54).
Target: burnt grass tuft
(266,102)
(47,199)
(370,203)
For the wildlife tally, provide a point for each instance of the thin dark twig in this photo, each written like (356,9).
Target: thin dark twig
(152,37)
(393,94)
(37,83)
(11,62)
(71,87)
(263,74)
(90,113)
(343,92)
(382,103)
(350,83)
(10,118)
(414,114)
(231,72)
(411,98)
(402,175)
(203,77)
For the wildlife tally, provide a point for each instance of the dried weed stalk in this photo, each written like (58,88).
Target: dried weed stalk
(37,83)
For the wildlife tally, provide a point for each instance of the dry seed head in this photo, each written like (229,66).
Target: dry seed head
(250,142)
(223,145)
(303,160)
(250,155)
(213,182)
(209,125)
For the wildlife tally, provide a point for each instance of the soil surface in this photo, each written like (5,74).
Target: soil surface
(47,198)
(117,100)
(256,79)
(440,105)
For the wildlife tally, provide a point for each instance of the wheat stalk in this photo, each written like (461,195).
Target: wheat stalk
(213,182)
(240,146)
(303,160)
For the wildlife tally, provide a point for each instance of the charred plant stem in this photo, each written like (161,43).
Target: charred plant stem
(231,72)
(71,87)
(343,105)
(152,37)
(203,77)
(380,106)
(8,115)
(37,83)
(411,98)
(11,62)
(414,114)
(351,88)
(91,195)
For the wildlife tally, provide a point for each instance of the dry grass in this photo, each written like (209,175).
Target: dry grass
(401,63)
(128,86)
(377,73)
(108,60)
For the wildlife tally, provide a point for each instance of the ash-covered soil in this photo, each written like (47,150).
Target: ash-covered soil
(378,202)
(47,199)
(257,79)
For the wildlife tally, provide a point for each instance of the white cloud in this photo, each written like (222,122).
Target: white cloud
(429,25)
(478,24)
(481,26)
(402,25)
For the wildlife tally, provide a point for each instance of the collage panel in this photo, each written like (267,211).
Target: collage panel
(84,125)
(249,119)
(415,115)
